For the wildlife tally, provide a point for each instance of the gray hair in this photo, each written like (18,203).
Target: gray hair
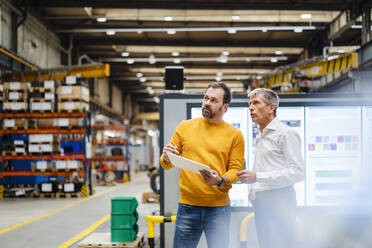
(269,97)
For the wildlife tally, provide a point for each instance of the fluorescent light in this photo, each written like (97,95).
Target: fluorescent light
(171,31)
(278,52)
(139,31)
(125,54)
(297,30)
(274,60)
(306,16)
(142,79)
(157,100)
(152,59)
(130,61)
(248,59)
(139,74)
(150,90)
(341,51)
(218,78)
(225,53)
(231,31)
(222,59)
(264,30)
(219,74)
(175,54)
(168,18)
(235,17)
(101,19)
(176,61)
(110,32)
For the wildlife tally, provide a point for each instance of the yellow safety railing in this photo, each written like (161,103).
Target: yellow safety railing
(151,220)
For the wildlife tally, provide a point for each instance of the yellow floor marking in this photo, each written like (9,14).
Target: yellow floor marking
(63,208)
(88,230)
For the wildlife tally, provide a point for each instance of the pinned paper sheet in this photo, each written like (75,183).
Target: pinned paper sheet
(187,164)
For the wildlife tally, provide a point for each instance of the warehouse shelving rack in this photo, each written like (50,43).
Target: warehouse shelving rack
(107,142)
(85,131)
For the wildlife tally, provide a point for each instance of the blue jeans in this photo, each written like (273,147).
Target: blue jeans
(193,220)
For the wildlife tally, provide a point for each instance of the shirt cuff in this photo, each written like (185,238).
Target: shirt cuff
(260,177)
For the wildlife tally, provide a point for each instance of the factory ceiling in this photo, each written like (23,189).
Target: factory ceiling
(220,40)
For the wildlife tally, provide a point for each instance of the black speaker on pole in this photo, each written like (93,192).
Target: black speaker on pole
(174,77)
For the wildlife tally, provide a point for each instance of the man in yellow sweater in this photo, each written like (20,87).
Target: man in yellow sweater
(204,203)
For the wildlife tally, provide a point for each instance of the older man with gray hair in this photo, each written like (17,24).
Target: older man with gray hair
(278,165)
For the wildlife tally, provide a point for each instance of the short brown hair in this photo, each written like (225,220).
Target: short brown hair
(226,96)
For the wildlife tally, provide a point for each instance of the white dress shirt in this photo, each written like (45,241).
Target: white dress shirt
(278,161)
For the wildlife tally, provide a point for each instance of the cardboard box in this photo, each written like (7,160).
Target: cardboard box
(77,92)
(43,138)
(73,106)
(42,106)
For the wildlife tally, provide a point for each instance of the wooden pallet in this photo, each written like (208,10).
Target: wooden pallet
(13,153)
(67,195)
(42,89)
(150,197)
(103,240)
(44,195)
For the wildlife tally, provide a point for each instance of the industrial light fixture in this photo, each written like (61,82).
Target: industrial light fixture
(221,59)
(297,30)
(231,31)
(139,74)
(142,79)
(152,59)
(175,54)
(139,31)
(218,78)
(176,61)
(150,90)
(278,52)
(101,19)
(168,18)
(194,29)
(225,53)
(125,54)
(274,60)
(157,100)
(171,31)
(110,32)
(306,16)
(219,74)
(235,17)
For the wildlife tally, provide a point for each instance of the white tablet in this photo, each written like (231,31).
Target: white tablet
(187,164)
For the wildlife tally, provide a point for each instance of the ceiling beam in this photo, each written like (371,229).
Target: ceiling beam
(222,5)
(297,43)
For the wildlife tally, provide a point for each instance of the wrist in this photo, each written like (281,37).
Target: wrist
(222,182)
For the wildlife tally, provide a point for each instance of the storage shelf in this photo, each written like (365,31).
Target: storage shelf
(38,173)
(116,127)
(96,143)
(41,115)
(43,131)
(109,158)
(42,157)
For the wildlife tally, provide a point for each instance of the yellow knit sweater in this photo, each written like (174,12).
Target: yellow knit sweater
(220,146)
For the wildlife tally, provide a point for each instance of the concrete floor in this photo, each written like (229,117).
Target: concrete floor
(64,218)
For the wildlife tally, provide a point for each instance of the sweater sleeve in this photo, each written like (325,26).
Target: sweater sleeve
(236,160)
(176,141)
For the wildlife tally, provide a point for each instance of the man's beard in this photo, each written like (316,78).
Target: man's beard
(208,113)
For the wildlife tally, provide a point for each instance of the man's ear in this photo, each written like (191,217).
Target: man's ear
(226,106)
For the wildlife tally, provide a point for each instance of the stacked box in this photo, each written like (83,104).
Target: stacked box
(14,148)
(15,97)
(42,96)
(42,165)
(124,217)
(43,144)
(15,124)
(69,123)
(73,95)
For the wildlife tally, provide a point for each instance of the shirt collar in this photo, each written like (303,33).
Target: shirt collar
(273,125)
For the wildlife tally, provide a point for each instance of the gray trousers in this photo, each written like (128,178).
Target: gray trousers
(275,218)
